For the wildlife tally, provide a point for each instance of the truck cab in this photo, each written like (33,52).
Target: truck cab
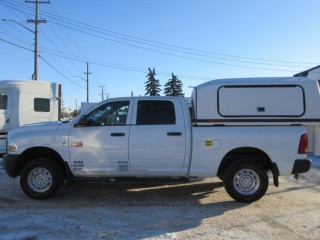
(154,130)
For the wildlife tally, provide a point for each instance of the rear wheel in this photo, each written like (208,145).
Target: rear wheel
(246,181)
(41,178)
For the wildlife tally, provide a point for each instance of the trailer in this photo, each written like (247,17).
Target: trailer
(25,102)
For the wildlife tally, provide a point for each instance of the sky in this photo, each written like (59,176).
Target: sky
(197,40)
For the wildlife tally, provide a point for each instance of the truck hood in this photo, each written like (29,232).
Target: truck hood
(44,134)
(44,125)
(35,127)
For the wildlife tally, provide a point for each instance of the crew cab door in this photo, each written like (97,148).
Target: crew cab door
(157,141)
(98,142)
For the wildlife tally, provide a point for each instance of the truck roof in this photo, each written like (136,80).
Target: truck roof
(257,80)
(144,98)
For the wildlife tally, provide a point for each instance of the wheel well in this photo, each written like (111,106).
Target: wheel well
(37,152)
(246,152)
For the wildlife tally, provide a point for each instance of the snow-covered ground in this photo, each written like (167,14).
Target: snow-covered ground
(200,210)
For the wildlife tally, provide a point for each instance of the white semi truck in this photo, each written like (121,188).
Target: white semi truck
(26,101)
(236,129)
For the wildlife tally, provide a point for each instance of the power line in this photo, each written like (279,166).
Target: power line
(14,36)
(67,36)
(146,41)
(115,66)
(59,72)
(132,69)
(58,49)
(16,45)
(126,68)
(164,46)
(96,33)
(30,15)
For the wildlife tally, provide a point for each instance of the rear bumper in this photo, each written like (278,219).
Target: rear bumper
(301,166)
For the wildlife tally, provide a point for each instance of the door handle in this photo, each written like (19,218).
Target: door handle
(117,134)
(174,133)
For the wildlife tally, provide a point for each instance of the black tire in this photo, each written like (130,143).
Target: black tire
(246,181)
(41,178)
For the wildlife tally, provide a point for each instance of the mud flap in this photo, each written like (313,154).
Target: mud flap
(275,173)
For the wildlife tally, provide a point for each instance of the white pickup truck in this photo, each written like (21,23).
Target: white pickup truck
(236,129)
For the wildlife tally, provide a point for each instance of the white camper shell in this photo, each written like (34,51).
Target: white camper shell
(26,101)
(260,101)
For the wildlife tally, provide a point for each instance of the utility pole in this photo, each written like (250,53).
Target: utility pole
(87,73)
(87,80)
(102,92)
(36,22)
(76,113)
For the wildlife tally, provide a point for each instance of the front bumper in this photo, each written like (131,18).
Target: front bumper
(301,166)
(11,163)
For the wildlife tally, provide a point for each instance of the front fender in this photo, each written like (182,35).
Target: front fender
(12,164)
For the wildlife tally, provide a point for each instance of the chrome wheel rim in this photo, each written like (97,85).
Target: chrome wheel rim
(246,181)
(40,179)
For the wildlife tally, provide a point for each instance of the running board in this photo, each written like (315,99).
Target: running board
(133,179)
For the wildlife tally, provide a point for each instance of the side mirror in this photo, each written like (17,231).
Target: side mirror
(82,122)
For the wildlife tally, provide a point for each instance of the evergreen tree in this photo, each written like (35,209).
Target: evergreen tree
(173,87)
(152,85)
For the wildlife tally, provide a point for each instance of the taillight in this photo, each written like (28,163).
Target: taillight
(303,145)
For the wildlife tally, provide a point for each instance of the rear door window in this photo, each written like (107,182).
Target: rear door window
(153,112)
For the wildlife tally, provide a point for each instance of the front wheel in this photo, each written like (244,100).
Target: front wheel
(246,181)
(41,178)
